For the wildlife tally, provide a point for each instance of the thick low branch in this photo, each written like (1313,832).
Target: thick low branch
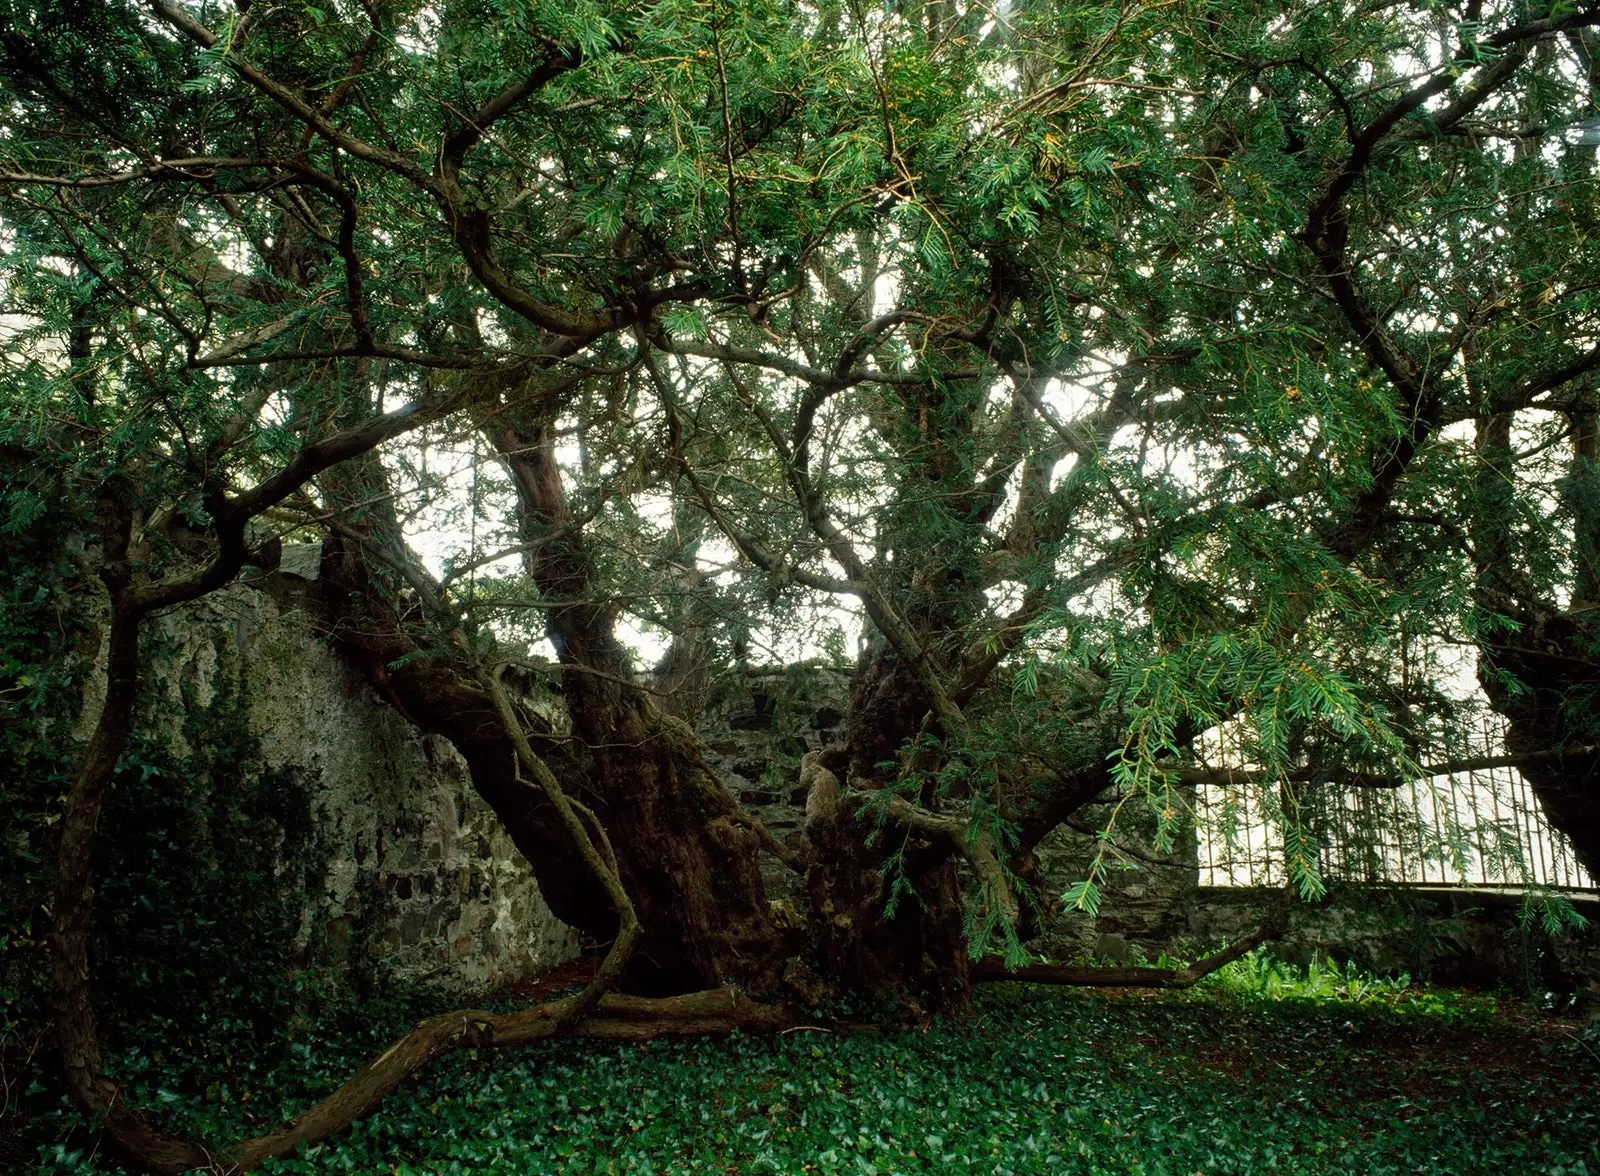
(1222,777)
(991,969)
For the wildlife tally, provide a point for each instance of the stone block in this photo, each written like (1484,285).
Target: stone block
(1113,948)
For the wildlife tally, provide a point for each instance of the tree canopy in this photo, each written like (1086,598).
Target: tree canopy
(1127,390)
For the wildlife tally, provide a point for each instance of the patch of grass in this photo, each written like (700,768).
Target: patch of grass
(1261,977)
(1040,1081)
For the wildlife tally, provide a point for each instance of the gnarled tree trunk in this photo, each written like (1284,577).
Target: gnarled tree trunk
(687,854)
(886,896)
(1544,675)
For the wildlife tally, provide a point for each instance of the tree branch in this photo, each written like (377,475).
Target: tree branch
(1222,777)
(991,970)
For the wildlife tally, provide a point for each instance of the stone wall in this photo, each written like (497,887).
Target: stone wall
(1464,936)
(756,726)
(1146,895)
(415,876)
(419,880)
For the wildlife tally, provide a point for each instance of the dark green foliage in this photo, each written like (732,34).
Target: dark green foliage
(40,621)
(199,904)
(1266,526)
(1043,1082)
(1243,268)
(213,862)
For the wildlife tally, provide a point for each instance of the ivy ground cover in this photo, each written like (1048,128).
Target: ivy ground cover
(1039,1081)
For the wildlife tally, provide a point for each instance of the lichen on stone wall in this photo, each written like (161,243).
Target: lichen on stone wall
(418,880)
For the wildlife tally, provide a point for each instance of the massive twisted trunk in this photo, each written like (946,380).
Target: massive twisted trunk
(1556,710)
(1543,675)
(689,855)
(438,694)
(685,853)
(886,894)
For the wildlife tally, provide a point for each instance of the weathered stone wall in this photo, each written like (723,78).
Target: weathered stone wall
(417,879)
(1146,895)
(756,727)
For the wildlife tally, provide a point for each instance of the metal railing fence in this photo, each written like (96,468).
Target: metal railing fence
(1478,828)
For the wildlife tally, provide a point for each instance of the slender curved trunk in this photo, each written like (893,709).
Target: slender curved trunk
(76,1028)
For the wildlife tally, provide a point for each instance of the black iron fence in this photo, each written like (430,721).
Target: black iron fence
(1479,828)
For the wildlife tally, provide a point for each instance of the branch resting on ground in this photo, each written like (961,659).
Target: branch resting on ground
(992,969)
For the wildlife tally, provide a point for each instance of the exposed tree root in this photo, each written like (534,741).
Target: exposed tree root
(614,1018)
(992,969)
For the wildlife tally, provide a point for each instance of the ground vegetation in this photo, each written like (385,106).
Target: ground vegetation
(1322,1070)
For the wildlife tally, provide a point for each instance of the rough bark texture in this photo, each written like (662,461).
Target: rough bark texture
(886,897)
(1543,676)
(689,857)
(1552,659)
(682,854)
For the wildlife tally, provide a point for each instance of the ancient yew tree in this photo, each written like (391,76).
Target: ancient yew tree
(1134,384)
